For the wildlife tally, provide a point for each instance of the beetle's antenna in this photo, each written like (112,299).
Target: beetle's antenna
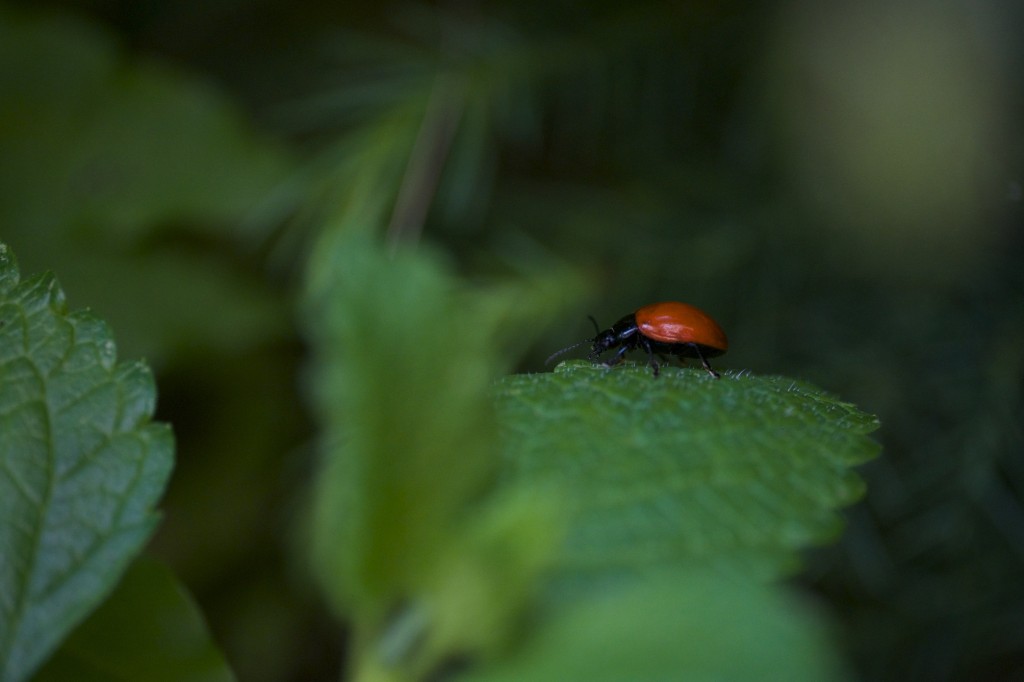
(566,350)
(597,331)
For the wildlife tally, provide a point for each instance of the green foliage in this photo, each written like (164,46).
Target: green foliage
(741,472)
(80,127)
(685,625)
(385,329)
(81,466)
(404,358)
(101,157)
(149,629)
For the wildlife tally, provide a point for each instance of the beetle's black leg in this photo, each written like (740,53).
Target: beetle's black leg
(650,358)
(704,361)
(617,358)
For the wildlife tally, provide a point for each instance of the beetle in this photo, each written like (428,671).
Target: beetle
(668,328)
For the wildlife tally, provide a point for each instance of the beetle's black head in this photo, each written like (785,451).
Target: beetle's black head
(602,342)
(622,332)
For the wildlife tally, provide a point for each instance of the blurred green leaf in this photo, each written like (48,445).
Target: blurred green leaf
(101,157)
(689,626)
(149,629)
(741,472)
(87,138)
(173,302)
(405,357)
(81,466)
(407,436)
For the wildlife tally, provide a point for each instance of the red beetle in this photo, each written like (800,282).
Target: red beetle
(669,328)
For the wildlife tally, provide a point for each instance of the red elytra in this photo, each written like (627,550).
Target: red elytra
(674,322)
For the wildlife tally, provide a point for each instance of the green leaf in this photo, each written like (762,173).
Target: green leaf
(690,626)
(740,472)
(405,539)
(81,466)
(102,156)
(171,301)
(407,437)
(90,137)
(149,629)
